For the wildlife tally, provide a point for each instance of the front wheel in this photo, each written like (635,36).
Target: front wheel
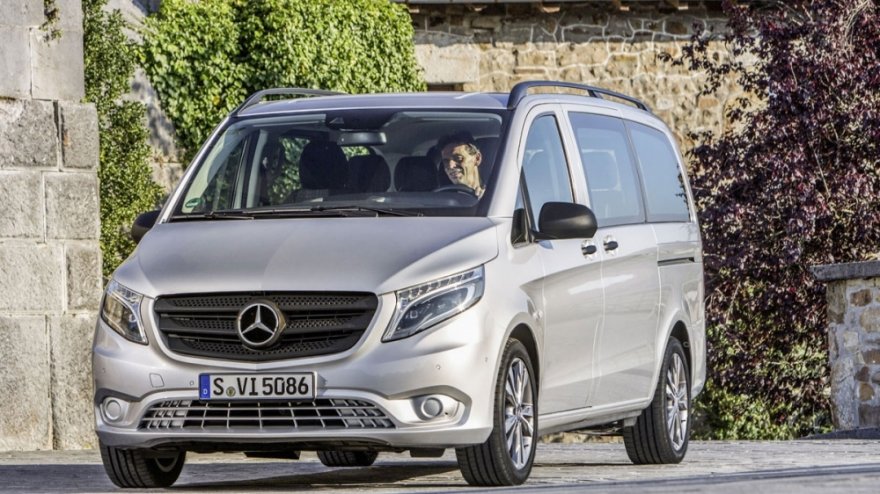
(506,457)
(140,467)
(661,432)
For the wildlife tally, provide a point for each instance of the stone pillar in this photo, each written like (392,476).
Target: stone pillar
(853,293)
(50,261)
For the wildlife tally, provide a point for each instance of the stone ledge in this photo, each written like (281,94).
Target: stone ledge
(846,271)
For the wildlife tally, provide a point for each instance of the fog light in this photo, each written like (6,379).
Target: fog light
(432,407)
(114,409)
(435,407)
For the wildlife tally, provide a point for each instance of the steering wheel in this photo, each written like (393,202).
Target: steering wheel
(461,189)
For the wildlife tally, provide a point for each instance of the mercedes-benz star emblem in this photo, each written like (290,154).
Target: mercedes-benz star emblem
(260,324)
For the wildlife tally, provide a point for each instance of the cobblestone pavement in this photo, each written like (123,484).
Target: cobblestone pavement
(819,466)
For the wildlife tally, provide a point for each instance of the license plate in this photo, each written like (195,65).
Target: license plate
(299,386)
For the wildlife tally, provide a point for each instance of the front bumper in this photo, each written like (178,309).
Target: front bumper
(454,362)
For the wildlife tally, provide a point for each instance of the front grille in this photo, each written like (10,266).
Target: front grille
(317,324)
(262,415)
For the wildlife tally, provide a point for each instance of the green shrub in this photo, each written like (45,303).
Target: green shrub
(204,57)
(126,186)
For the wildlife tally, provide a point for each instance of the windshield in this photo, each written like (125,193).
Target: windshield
(424,162)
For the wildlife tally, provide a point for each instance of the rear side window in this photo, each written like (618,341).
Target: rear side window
(608,165)
(545,166)
(665,194)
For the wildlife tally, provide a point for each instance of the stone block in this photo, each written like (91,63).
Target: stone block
(869,415)
(866,392)
(28,136)
(449,64)
(876,378)
(57,66)
(22,13)
(623,65)
(871,356)
(15,62)
(71,16)
(677,28)
(31,278)
(863,374)
(583,33)
(83,277)
(860,298)
(536,58)
(72,385)
(835,293)
(26,413)
(850,341)
(21,204)
(72,205)
(79,135)
(843,404)
(869,320)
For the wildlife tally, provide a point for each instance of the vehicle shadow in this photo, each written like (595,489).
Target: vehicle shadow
(399,475)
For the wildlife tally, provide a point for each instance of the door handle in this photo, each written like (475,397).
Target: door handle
(610,244)
(588,248)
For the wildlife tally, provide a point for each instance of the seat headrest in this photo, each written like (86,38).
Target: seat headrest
(322,165)
(415,174)
(368,173)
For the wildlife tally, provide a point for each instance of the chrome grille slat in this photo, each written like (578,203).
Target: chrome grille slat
(265,415)
(318,323)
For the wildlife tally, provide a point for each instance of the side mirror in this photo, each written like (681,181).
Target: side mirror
(143,223)
(560,220)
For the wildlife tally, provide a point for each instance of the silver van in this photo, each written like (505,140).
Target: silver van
(353,274)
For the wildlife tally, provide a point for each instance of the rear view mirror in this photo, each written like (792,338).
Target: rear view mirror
(143,223)
(560,220)
(361,139)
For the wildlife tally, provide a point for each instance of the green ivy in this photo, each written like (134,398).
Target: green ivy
(126,186)
(205,57)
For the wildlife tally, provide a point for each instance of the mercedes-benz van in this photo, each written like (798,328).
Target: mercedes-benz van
(356,274)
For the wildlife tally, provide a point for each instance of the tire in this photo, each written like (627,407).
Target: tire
(141,468)
(347,458)
(506,458)
(661,432)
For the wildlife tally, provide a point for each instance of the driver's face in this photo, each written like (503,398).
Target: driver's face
(460,165)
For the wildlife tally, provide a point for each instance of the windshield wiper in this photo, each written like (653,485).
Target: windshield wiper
(224,214)
(378,211)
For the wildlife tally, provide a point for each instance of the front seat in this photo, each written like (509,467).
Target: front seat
(322,167)
(415,174)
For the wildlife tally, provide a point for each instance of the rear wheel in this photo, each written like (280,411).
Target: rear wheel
(140,467)
(506,457)
(347,458)
(662,431)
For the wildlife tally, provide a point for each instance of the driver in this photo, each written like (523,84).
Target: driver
(460,157)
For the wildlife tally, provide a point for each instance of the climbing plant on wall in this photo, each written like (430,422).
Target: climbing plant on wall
(124,174)
(205,57)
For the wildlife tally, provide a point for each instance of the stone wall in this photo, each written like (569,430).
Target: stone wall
(853,293)
(595,43)
(50,260)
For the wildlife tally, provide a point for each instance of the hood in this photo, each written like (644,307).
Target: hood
(375,255)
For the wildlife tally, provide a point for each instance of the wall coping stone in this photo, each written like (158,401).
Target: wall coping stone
(846,271)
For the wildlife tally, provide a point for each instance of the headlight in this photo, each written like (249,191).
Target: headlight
(121,311)
(423,306)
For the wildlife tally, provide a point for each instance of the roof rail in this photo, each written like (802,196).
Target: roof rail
(298,91)
(520,91)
